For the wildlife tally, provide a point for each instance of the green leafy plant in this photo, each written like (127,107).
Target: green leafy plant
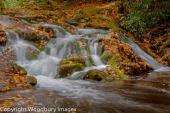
(143,15)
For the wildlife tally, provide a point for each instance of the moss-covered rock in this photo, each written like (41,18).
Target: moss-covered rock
(70,65)
(96,75)
(73,60)
(31,80)
(21,70)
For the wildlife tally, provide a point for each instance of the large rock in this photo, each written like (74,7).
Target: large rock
(96,75)
(40,33)
(70,65)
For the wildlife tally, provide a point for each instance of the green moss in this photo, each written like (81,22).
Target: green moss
(73,60)
(115,63)
(68,69)
(22,71)
(70,65)
(37,45)
(106,57)
(95,75)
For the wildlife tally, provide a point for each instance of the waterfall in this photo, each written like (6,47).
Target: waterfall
(94,52)
(141,53)
(130,96)
(84,43)
(19,46)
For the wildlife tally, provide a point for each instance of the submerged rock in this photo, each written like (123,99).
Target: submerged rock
(3,38)
(70,65)
(31,80)
(95,75)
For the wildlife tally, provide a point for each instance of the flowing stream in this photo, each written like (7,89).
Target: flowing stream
(65,45)
(149,59)
(143,95)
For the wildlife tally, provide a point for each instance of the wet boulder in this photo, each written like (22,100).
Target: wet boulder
(32,36)
(3,38)
(70,65)
(96,75)
(31,80)
(39,33)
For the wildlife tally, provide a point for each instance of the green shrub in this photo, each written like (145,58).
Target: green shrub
(140,16)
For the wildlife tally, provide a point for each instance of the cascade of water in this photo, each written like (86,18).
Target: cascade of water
(149,59)
(65,45)
(94,52)
(12,36)
(5,21)
(117,97)
(19,46)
